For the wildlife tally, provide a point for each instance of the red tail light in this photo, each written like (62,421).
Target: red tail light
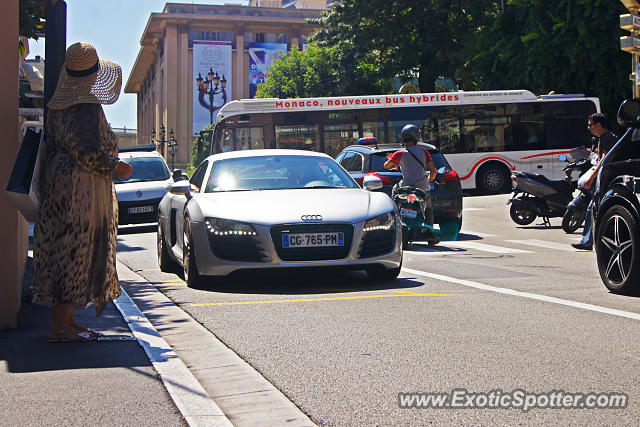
(385,179)
(411,198)
(450,175)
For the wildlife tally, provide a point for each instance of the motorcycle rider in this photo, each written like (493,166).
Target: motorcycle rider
(597,124)
(413,162)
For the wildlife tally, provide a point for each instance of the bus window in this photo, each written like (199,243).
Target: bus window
(374,129)
(487,129)
(337,137)
(227,140)
(298,137)
(400,117)
(249,138)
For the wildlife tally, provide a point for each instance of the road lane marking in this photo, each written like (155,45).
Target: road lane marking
(173,282)
(507,291)
(477,233)
(544,244)
(403,294)
(484,247)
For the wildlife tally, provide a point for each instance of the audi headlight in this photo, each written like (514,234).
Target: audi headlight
(381,222)
(227,227)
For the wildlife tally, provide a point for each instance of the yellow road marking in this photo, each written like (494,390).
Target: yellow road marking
(170,282)
(402,294)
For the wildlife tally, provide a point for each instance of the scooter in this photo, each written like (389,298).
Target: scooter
(577,208)
(535,195)
(410,202)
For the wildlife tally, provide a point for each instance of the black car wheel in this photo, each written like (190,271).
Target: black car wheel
(522,212)
(494,178)
(165,262)
(380,273)
(191,274)
(617,250)
(573,219)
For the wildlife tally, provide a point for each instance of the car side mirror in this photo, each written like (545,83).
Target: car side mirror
(371,182)
(629,113)
(181,187)
(179,175)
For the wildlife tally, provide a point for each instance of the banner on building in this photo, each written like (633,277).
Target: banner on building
(261,57)
(211,64)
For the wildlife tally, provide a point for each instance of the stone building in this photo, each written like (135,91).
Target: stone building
(163,76)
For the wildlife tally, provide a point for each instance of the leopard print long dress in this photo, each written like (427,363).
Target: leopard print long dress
(75,237)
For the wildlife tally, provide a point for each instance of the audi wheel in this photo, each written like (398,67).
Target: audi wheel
(617,250)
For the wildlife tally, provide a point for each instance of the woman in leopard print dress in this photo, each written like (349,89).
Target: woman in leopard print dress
(75,236)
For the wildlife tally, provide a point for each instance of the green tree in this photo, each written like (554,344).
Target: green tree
(568,46)
(201,147)
(32,18)
(321,71)
(408,38)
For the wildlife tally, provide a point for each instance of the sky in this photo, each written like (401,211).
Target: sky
(115,28)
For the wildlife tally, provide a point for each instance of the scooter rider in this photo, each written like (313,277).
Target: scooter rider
(413,162)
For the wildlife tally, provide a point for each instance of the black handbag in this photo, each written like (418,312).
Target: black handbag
(23,188)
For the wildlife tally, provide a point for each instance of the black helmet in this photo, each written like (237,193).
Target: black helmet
(410,133)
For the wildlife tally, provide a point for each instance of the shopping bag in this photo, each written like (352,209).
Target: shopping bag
(23,188)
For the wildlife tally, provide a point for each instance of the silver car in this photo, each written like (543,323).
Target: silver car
(266,209)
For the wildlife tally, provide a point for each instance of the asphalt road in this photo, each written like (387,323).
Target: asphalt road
(504,307)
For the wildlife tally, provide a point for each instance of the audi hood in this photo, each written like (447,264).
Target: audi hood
(269,207)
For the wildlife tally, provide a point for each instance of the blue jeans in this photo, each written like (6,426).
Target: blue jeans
(587,234)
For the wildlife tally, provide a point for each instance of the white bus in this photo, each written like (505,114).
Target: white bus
(484,135)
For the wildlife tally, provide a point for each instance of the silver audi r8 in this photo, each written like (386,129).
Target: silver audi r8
(266,209)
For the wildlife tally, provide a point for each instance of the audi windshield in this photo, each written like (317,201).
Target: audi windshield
(277,173)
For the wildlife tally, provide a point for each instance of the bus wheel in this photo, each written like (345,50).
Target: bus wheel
(494,178)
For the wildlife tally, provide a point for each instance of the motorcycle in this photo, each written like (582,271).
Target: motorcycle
(577,209)
(410,203)
(535,195)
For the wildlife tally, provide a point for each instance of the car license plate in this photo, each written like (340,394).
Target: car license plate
(307,240)
(408,213)
(140,209)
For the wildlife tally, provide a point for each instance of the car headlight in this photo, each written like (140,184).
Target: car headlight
(227,227)
(382,222)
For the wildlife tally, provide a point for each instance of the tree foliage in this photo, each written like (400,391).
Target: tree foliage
(32,17)
(201,147)
(568,46)
(321,71)
(408,38)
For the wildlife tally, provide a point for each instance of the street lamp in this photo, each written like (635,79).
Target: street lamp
(172,146)
(172,143)
(211,86)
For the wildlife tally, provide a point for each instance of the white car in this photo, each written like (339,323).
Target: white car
(266,209)
(140,194)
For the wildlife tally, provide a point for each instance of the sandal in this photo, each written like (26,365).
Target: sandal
(67,336)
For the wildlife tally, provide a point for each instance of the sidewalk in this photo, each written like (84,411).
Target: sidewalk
(135,375)
(107,382)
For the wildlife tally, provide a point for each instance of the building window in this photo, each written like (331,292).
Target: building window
(248,39)
(282,38)
(210,35)
(270,38)
(260,38)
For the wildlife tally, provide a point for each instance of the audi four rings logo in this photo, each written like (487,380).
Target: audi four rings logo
(311,218)
(139,194)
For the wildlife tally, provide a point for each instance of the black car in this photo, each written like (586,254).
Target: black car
(360,160)
(617,209)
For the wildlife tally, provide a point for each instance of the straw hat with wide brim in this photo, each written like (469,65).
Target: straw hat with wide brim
(86,79)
